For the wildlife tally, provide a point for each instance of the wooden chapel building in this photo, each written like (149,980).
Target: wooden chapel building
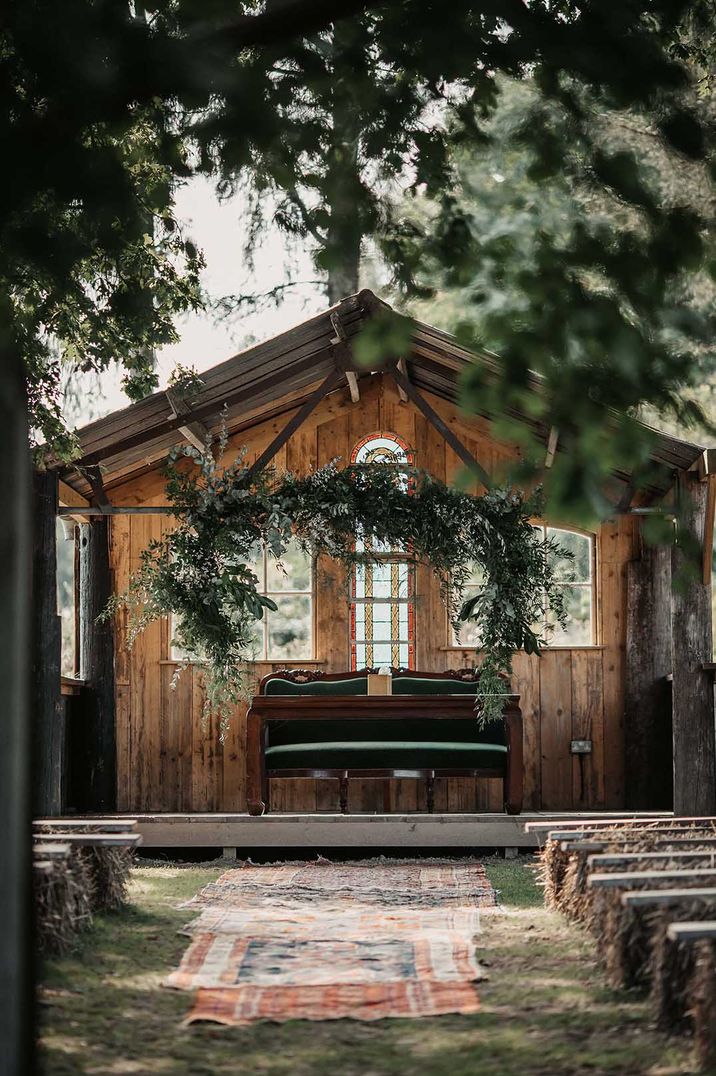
(598,704)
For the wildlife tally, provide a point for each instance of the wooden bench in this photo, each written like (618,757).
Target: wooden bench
(326,725)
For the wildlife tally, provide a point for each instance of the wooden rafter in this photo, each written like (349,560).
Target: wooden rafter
(99,496)
(552,442)
(440,425)
(343,356)
(403,367)
(194,431)
(298,419)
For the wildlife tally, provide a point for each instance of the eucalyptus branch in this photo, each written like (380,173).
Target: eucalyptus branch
(201,571)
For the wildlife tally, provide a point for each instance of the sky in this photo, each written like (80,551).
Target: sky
(217,229)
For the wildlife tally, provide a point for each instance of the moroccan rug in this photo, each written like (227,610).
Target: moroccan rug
(320,941)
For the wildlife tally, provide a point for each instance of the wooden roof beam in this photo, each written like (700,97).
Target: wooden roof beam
(342,347)
(195,432)
(330,383)
(440,425)
(403,368)
(99,497)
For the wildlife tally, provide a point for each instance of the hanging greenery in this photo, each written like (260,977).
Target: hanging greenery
(201,573)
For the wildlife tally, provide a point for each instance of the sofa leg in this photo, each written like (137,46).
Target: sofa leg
(431,792)
(343,792)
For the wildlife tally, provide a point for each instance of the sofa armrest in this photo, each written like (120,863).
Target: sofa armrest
(514,774)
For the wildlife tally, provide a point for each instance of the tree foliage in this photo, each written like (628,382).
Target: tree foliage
(330,106)
(570,280)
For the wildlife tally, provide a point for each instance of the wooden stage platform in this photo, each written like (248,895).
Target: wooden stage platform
(321,831)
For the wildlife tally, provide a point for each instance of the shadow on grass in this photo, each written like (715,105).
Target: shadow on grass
(546,1010)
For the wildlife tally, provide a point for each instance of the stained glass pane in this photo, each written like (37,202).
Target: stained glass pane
(381,654)
(381,580)
(381,623)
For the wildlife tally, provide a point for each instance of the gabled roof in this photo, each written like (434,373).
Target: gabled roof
(277,376)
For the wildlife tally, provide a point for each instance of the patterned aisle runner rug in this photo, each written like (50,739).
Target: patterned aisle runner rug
(322,941)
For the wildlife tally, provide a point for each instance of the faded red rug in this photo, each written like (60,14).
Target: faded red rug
(320,941)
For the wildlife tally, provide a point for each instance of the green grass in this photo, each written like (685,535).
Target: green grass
(545,1011)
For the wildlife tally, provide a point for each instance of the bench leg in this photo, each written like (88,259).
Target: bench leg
(343,792)
(431,792)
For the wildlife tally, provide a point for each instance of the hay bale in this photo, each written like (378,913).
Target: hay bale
(62,906)
(108,869)
(553,864)
(674,967)
(574,896)
(703,1003)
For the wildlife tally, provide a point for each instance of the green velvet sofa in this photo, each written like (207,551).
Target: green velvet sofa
(325,725)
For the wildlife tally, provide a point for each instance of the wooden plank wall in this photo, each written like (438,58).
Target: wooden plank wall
(170,753)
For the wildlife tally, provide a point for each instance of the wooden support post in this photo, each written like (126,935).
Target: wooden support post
(693,690)
(48,712)
(16,985)
(98,764)
(647,726)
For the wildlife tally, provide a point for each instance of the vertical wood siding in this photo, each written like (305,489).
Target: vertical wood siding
(170,753)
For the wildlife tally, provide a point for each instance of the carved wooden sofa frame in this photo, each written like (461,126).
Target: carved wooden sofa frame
(276,711)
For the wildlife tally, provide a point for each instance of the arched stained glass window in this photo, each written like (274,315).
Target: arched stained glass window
(382,592)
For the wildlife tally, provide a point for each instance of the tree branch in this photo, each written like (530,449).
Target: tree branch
(286,19)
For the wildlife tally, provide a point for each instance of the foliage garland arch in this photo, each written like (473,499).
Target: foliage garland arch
(200,571)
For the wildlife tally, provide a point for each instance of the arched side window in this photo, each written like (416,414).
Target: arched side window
(382,621)
(575,576)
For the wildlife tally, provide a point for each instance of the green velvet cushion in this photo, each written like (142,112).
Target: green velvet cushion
(387,755)
(338,729)
(279,686)
(417,685)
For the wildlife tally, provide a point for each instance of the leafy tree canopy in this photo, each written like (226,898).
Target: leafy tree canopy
(330,106)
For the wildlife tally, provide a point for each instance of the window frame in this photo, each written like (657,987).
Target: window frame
(264,622)
(595,643)
(391,557)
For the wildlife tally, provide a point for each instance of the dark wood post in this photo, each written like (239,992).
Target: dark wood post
(693,690)
(48,713)
(514,774)
(99,754)
(16,987)
(647,704)
(257,794)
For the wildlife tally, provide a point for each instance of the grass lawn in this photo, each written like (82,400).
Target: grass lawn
(546,1009)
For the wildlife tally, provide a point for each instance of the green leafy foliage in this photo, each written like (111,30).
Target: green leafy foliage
(588,279)
(201,571)
(326,111)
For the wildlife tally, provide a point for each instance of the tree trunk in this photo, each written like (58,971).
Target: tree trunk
(16,985)
(97,666)
(47,708)
(647,728)
(693,689)
(345,193)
